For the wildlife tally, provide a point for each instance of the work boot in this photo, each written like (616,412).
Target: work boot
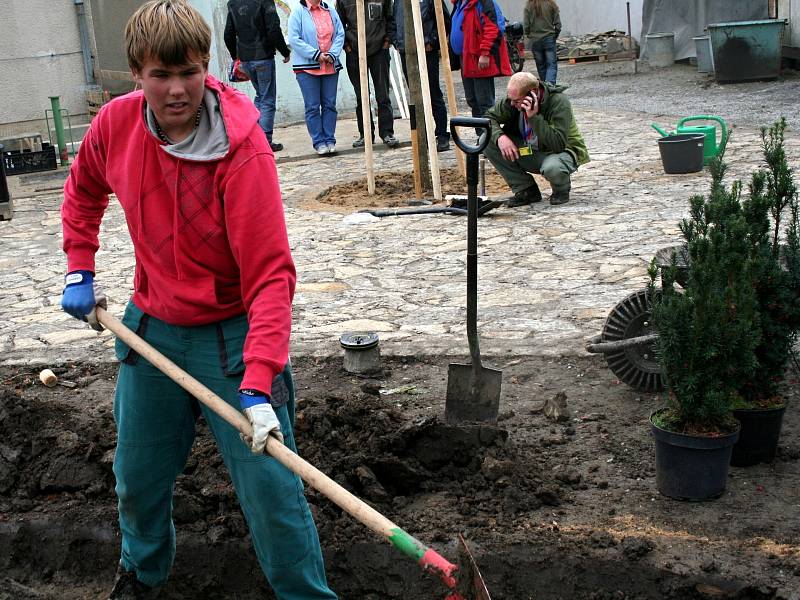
(442,144)
(276,146)
(391,141)
(127,587)
(527,196)
(359,143)
(559,197)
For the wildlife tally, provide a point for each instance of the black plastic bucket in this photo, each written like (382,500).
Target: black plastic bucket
(758,439)
(682,153)
(691,467)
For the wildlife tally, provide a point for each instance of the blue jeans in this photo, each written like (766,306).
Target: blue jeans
(319,98)
(155,421)
(544,53)
(262,76)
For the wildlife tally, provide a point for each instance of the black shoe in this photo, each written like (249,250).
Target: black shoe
(276,147)
(359,143)
(559,197)
(127,587)
(442,144)
(526,196)
(391,141)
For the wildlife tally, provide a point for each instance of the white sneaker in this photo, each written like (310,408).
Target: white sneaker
(322,150)
(331,148)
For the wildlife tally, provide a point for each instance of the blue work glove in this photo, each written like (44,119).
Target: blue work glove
(262,417)
(80,297)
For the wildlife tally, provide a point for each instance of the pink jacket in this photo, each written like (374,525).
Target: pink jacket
(209,236)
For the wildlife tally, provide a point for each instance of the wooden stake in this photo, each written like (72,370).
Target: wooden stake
(365,102)
(444,53)
(419,35)
(412,112)
(415,94)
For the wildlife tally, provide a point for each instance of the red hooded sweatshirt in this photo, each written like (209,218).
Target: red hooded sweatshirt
(209,235)
(482,37)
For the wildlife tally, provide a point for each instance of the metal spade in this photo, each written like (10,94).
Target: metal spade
(473,391)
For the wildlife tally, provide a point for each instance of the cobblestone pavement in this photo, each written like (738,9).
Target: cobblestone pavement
(548,276)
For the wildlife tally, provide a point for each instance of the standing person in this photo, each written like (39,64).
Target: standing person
(431,34)
(477,38)
(534,131)
(379,26)
(316,36)
(542,26)
(253,34)
(213,287)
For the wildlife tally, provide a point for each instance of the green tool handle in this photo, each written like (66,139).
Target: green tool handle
(723,141)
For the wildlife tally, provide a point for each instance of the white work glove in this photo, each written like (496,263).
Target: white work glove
(262,418)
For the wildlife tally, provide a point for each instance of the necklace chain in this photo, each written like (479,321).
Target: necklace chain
(163,136)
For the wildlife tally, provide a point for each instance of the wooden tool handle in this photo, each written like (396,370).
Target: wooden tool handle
(310,474)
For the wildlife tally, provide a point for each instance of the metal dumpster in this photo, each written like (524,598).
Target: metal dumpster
(746,50)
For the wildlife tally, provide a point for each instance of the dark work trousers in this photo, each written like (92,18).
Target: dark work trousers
(437,100)
(378,68)
(479,92)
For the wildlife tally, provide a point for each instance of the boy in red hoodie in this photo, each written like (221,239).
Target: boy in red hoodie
(213,288)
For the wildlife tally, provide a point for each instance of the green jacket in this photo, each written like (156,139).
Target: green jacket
(554,124)
(549,23)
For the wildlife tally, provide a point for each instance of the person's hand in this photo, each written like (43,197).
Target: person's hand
(286,58)
(428,47)
(530,104)
(81,296)
(78,296)
(347,48)
(386,44)
(328,57)
(262,417)
(507,148)
(483,62)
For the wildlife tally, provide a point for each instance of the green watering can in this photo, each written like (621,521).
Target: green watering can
(711,148)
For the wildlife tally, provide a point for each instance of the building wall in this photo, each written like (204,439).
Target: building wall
(587,16)
(40,56)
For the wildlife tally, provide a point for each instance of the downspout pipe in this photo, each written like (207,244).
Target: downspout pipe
(86,47)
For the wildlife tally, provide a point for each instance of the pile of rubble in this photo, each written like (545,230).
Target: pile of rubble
(610,44)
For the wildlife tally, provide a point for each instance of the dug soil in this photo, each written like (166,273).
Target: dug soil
(552,507)
(396,188)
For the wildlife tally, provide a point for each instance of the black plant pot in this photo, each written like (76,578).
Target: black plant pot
(691,467)
(758,439)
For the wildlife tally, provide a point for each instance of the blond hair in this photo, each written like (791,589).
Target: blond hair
(523,82)
(169,31)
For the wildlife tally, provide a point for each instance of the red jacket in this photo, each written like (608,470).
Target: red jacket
(483,39)
(209,237)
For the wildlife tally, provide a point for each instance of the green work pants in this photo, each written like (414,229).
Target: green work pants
(556,167)
(155,430)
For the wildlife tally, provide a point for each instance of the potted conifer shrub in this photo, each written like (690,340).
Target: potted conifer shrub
(775,272)
(706,345)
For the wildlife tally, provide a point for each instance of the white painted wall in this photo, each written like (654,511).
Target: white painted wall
(587,16)
(290,101)
(40,56)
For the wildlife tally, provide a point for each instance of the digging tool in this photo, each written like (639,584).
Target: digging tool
(473,391)
(430,560)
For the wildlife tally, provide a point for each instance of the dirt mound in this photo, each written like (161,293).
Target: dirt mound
(395,188)
(552,509)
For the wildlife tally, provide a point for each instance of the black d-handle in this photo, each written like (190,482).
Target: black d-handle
(477,123)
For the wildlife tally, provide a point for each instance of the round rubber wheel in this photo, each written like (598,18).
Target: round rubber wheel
(636,366)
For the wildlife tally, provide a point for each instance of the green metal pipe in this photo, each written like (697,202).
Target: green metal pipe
(55,103)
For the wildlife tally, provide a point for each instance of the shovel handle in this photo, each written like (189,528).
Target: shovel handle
(427,558)
(477,123)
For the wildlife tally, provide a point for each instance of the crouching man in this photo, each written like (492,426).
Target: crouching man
(534,131)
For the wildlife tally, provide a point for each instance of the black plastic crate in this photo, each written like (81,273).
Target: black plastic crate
(26,161)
